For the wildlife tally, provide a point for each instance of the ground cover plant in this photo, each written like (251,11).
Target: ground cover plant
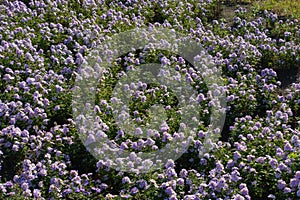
(256,47)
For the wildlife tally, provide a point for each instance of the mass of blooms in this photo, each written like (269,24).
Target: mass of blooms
(44,42)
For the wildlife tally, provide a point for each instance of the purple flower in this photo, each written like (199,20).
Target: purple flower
(10,184)
(273,162)
(279,151)
(90,139)
(200,97)
(222,183)
(235,176)
(171,173)
(170,164)
(295,140)
(24,186)
(134,190)
(15,147)
(203,161)
(183,173)
(236,155)
(294,182)
(244,191)
(287,34)
(230,164)
(238,197)
(260,160)
(287,190)
(125,180)
(43,172)
(288,147)
(282,167)
(201,134)
(142,184)
(219,167)
(173,197)
(180,181)
(281,184)
(170,191)
(298,175)
(36,193)
(165,61)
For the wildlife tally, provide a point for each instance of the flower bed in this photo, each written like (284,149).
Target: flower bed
(42,45)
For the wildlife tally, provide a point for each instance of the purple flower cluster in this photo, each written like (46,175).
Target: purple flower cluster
(42,45)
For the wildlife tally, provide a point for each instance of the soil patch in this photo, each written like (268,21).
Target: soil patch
(287,76)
